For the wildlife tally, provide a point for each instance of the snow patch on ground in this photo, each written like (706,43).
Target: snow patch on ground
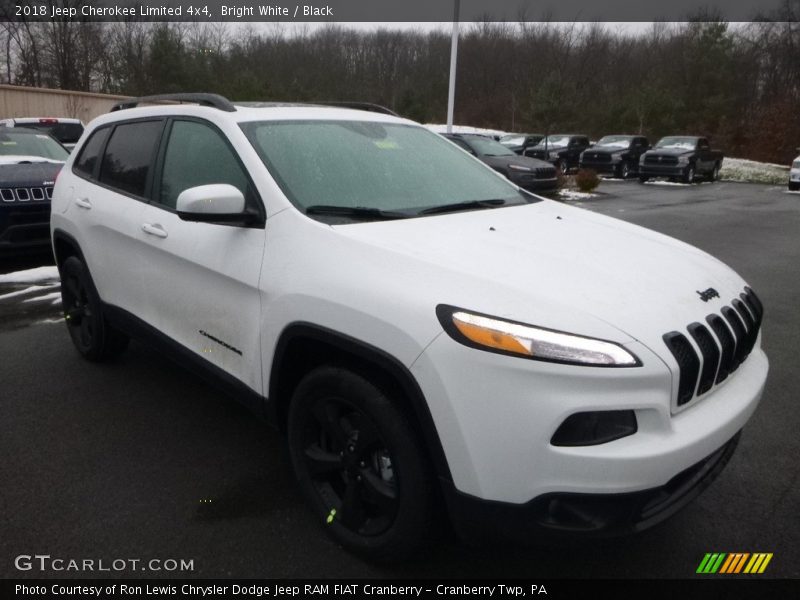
(575,195)
(750,171)
(55,296)
(27,290)
(37,275)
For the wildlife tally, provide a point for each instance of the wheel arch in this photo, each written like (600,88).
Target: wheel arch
(302,347)
(64,246)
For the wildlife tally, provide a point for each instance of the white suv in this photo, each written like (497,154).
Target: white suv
(426,332)
(794,175)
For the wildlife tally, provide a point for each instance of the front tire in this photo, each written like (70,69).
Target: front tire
(688,176)
(794,186)
(623,170)
(359,464)
(91,334)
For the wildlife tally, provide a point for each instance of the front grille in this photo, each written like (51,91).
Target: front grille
(598,157)
(26,194)
(545,173)
(734,337)
(659,159)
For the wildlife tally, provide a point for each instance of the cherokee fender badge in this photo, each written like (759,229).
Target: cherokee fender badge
(708,294)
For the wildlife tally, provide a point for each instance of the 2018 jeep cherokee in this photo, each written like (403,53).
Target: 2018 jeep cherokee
(423,330)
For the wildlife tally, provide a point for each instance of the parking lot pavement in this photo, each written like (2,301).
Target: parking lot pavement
(138,459)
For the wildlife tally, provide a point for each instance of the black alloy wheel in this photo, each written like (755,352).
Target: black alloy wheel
(358,463)
(92,336)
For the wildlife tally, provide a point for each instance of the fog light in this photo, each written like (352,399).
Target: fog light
(592,428)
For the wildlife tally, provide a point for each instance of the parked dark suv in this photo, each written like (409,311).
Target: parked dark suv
(519,142)
(29,163)
(616,155)
(562,150)
(528,173)
(682,157)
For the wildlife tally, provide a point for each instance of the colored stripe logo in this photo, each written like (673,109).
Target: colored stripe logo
(734,563)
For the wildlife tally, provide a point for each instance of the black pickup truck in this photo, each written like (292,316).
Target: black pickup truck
(563,150)
(616,155)
(681,157)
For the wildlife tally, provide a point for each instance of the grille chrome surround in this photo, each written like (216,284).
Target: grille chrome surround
(26,194)
(723,346)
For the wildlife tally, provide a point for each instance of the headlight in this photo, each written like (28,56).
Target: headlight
(683,160)
(519,168)
(517,339)
(552,155)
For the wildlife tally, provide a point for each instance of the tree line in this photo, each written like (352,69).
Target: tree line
(738,84)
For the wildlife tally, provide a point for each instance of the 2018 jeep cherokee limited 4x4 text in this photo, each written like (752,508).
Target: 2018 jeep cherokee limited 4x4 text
(423,330)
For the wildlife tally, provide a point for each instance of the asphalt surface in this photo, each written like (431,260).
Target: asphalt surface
(137,459)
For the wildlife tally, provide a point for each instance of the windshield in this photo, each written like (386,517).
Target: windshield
(677,143)
(66,133)
(614,141)
(384,166)
(555,141)
(487,147)
(26,143)
(512,140)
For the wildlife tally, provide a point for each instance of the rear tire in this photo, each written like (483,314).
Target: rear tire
(359,464)
(794,186)
(714,175)
(643,179)
(91,333)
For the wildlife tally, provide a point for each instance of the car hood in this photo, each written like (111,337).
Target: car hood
(27,174)
(17,159)
(597,150)
(522,161)
(668,152)
(554,266)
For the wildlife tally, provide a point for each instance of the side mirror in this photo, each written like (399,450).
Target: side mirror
(215,203)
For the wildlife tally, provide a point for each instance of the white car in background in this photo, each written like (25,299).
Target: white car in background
(794,175)
(66,130)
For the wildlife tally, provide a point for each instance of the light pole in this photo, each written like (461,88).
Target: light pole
(451,94)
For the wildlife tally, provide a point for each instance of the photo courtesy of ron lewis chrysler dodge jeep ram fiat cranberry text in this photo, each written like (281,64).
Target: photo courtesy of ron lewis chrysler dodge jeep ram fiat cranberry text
(427,333)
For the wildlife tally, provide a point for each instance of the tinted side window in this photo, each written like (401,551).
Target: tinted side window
(462,144)
(90,153)
(128,156)
(198,155)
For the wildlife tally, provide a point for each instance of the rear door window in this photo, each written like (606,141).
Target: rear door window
(90,153)
(129,156)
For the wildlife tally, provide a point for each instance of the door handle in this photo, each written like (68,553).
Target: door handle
(154,229)
(83,203)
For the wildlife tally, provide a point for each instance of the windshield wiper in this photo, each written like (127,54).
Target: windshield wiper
(358,212)
(469,205)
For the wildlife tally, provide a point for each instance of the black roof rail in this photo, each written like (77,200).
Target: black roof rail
(212,100)
(368,106)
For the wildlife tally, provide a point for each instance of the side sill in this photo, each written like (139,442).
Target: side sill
(185,358)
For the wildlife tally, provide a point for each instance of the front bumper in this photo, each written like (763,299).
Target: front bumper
(496,415)
(651,170)
(530,182)
(604,168)
(585,514)
(24,226)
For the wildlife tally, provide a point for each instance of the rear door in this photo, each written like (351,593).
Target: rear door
(202,279)
(114,176)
